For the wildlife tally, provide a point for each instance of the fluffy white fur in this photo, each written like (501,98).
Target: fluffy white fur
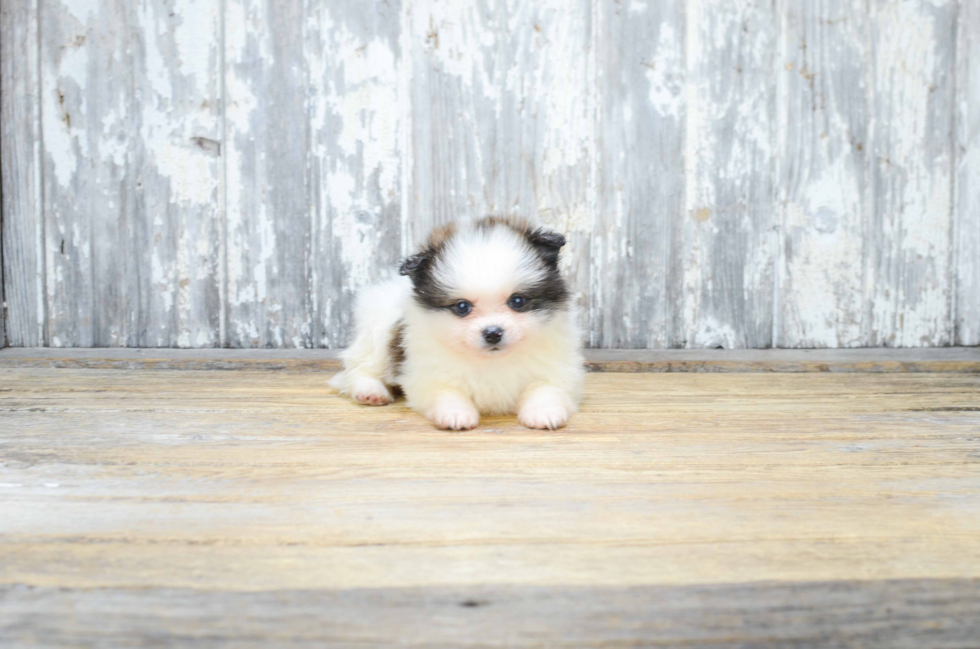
(449,373)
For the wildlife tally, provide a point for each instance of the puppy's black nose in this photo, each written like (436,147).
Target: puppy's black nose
(493,335)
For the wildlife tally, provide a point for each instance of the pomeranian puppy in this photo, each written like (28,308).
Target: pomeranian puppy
(480,321)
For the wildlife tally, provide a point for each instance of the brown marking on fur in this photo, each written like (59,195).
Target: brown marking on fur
(396,348)
(515,223)
(440,235)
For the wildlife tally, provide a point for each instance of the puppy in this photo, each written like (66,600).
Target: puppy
(478,322)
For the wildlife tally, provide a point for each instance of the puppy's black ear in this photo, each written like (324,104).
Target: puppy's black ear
(547,243)
(414,264)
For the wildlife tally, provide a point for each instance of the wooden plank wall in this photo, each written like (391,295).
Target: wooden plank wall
(730,173)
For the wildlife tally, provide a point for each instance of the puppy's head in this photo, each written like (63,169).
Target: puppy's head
(486,286)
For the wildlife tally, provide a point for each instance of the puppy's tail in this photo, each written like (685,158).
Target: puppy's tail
(338,382)
(372,354)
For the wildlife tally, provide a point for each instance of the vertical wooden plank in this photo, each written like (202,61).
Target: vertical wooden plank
(502,118)
(908,284)
(132,130)
(730,242)
(967,156)
(268,140)
(640,181)
(90,173)
(823,176)
(177,55)
(21,234)
(355,109)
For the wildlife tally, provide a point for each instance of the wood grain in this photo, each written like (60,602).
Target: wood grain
(267,183)
(899,614)
(907,264)
(178,152)
(820,504)
(636,256)
(965,360)
(206,173)
(356,107)
(21,223)
(729,240)
(823,175)
(966,210)
(90,175)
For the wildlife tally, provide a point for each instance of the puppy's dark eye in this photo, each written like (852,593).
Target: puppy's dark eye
(461,308)
(517,302)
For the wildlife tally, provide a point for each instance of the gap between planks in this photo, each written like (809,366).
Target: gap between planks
(947,359)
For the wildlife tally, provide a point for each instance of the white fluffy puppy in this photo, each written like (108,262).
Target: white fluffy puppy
(479,322)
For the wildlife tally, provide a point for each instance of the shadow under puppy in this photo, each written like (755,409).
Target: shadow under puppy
(478,322)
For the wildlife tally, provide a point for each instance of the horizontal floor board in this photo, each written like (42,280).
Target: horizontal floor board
(253,507)
(915,613)
(876,360)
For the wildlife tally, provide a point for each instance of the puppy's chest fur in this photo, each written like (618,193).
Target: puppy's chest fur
(420,365)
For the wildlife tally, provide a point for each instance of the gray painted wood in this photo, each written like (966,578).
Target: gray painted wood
(356,111)
(908,613)
(966,211)
(736,174)
(958,360)
(638,269)
(729,240)
(177,60)
(824,196)
(131,107)
(90,172)
(21,222)
(268,221)
(908,281)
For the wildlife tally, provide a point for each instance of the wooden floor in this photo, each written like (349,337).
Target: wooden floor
(142,507)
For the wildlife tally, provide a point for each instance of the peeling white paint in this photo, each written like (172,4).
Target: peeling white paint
(665,74)
(916,212)
(451,109)
(81,10)
(64,139)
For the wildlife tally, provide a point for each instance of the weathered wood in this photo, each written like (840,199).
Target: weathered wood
(685,507)
(908,281)
(90,174)
(966,210)
(734,174)
(131,101)
(280,360)
(21,223)
(823,173)
(872,360)
(358,106)
(269,229)
(898,614)
(177,107)
(729,242)
(637,275)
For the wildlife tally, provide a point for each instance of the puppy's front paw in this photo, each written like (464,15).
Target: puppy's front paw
(543,417)
(371,392)
(456,417)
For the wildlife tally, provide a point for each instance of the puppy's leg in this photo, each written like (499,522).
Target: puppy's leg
(370,391)
(545,406)
(365,364)
(450,410)
(369,363)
